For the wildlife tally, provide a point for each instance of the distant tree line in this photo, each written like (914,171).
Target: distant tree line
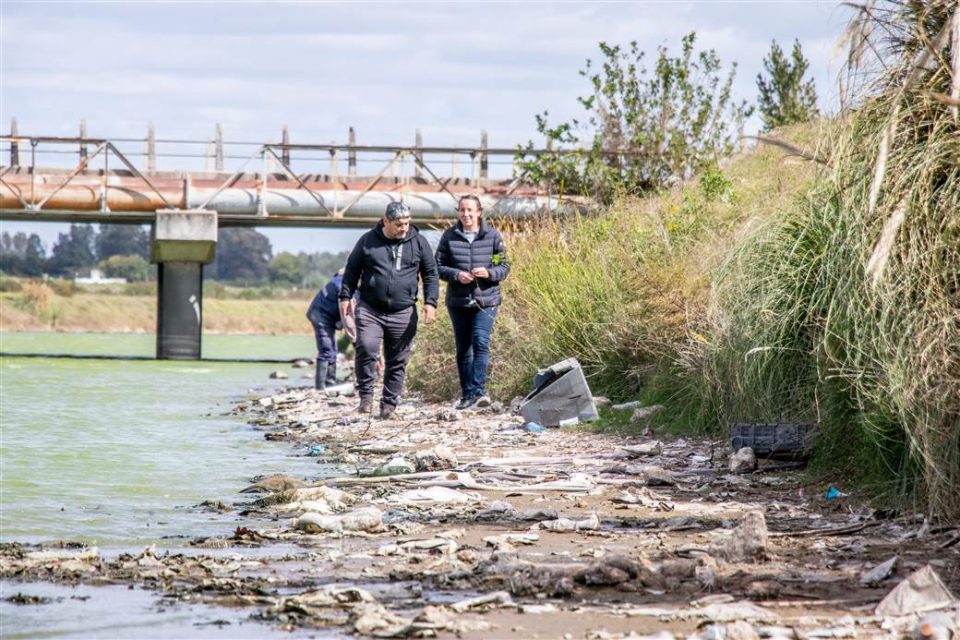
(244,257)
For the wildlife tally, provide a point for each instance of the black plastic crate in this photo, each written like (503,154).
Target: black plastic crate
(784,440)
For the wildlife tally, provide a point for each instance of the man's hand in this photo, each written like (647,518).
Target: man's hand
(464,278)
(480,272)
(429,314)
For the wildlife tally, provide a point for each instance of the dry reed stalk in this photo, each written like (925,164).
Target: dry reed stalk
(881,252)
(913,74)
(955,85)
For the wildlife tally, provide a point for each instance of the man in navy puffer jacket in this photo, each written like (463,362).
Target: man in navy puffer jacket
(472,258)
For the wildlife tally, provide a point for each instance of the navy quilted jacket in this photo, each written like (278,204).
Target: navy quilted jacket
(455,254)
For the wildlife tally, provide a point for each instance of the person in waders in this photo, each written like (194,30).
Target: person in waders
(324,315)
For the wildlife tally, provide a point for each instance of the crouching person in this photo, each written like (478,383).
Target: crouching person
(324,315)
(386,264)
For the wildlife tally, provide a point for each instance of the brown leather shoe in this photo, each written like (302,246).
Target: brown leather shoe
(387,411)
(366,405)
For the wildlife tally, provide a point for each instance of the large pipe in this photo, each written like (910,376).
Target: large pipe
(131,194)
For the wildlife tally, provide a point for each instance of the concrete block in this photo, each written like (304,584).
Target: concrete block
(184,235)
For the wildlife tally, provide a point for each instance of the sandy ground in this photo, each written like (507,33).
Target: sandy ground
(445,524)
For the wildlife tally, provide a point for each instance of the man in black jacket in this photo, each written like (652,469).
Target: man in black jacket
(385,264)
(472,258)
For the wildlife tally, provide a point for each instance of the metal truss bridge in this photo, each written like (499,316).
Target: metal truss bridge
(86,179)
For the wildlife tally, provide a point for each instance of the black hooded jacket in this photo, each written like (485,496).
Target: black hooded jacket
(386,270)
(455,254)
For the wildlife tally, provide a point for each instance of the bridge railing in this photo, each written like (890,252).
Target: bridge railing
(289,182)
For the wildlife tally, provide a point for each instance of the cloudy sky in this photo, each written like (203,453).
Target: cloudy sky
(385,68)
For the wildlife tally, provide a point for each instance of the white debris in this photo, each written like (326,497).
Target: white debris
(653,448)
(368,519)
(443,495)
(591,523)
(743,460)
(879,573)
(921,591)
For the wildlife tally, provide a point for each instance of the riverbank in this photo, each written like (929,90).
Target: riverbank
(439,523)
(87,312)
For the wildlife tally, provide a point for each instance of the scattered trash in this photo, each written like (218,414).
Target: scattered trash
(780,440)
(879,573)
(497,598)
(436,459)
(342,389)
(368,519)
(533,427)
(396,466)
(591,523)
(560,393)
(435,494)
(921,591)
(643,414)
(317,450)
(601,402)
(938,625)
(512,538)
(834,493)
(743,461)
(654,448)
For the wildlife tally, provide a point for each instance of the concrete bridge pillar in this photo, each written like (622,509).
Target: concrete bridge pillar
(183,241)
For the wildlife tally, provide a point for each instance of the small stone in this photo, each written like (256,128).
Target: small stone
(436,459)
(601,402)
(447,414)
(642,414)
(278,375)
(743,460)
(300,364)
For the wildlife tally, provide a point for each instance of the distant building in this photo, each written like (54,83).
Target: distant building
(96,277)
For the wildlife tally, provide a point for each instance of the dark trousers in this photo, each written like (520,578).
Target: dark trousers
(395,331)
(472,327)
(325,333)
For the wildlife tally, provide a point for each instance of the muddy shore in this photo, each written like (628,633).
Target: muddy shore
(445,524)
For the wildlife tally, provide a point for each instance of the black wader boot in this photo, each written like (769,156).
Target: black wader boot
(331,380)
(320,377)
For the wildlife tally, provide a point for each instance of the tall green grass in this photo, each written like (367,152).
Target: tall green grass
(847,310)
(624,292)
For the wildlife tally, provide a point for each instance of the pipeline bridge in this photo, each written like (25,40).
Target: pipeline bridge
(118,181)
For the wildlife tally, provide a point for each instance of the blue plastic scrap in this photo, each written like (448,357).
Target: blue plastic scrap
(833,493)
(533,427)
(317,450)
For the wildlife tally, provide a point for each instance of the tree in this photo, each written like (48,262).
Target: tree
(784,96)
(134,268)
(73,251)
(122,240)
(288,269)
(643,131)
(22,255)
(243,255)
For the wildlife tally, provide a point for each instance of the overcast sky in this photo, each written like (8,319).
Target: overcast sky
(387,69)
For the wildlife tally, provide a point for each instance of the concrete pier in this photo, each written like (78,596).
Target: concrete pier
(183,241)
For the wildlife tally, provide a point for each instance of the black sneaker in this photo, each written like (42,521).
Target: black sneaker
(465,403)
(366,405)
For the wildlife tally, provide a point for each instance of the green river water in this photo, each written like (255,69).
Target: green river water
(117,453)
